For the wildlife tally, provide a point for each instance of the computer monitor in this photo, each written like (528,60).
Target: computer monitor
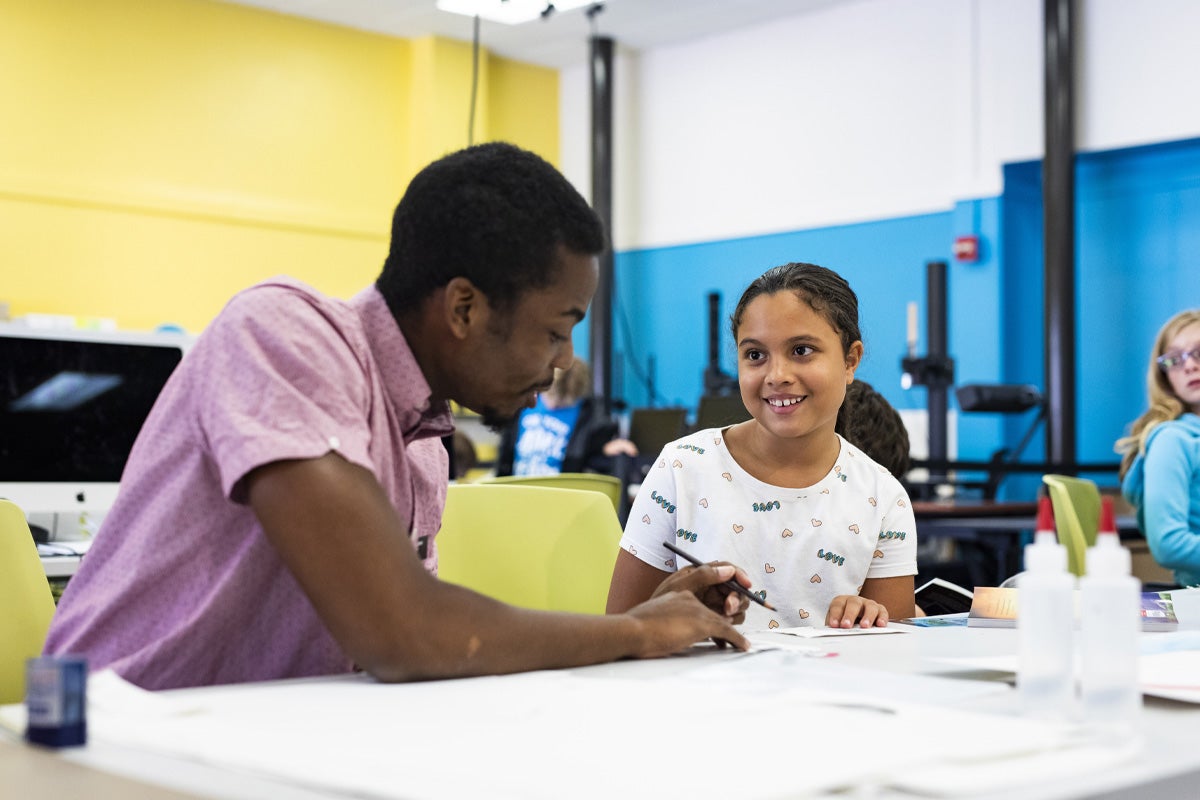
(71,404)
(720,411)
(651,428)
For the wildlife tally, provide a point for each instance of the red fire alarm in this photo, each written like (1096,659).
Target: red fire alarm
(966,248)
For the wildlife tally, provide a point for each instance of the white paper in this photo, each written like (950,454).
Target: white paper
(814,633)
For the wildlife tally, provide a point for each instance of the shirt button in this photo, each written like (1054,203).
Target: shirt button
(334,442)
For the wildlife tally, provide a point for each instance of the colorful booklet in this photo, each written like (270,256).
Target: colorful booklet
(993,607)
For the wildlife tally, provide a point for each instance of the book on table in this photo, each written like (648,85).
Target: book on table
(994,607)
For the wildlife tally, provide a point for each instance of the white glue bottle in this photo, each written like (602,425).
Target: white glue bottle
(1046,625)
(1110,628)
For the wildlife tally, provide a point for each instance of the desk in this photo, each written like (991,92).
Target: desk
(515,737)
(61,566)
(60,559)
(1002,528)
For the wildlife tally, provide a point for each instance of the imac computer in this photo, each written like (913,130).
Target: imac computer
(71,404)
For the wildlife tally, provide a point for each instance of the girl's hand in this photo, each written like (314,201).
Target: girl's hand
(848,609)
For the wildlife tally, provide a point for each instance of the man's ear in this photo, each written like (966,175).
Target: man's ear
(464,306)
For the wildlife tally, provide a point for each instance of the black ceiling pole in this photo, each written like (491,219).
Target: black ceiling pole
(1058,222)
(601,57)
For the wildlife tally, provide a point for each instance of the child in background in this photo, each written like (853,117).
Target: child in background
(825,534)
(567,431)
(873,425)
(1160,470)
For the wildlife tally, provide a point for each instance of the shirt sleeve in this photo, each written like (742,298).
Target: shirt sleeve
(279,382)
(1166,500)
(652,519)
(896,549)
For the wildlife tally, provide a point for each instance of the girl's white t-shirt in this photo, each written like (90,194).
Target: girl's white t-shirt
(800,547)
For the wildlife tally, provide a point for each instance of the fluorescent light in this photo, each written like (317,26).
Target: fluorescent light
(509,12)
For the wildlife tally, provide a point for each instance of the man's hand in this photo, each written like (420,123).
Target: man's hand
(673,621)
(706,582)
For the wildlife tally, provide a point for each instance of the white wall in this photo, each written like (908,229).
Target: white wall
(869,109)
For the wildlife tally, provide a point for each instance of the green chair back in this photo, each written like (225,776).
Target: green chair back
(591,481)
(26,604)
(1076,503)
(530,546)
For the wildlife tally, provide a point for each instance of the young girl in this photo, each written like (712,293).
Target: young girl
(1160,471)
(825,534)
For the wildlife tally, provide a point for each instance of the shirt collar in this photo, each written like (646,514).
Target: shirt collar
(420,416)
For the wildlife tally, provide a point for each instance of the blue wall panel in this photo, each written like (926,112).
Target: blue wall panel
(1138,229)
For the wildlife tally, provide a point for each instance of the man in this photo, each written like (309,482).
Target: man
(278,511)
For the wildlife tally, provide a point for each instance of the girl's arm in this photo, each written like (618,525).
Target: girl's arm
(1169,473)
(633,582)
(894,594)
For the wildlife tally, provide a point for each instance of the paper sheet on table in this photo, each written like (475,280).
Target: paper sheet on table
(65,547)
(786,670)
(1170,674)
(814,633)
(531,735)
(1174,675)
(764,641)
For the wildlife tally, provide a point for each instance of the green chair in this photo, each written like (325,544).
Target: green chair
(26,604)
(592,481)
(531,546)
(1076,503)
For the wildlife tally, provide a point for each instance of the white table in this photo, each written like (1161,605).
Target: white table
(695,736)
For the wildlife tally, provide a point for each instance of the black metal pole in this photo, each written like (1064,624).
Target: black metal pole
(601,57)
(1058,219)
(937,389)
(714,331)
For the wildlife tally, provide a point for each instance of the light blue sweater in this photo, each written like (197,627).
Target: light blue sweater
(1164,487)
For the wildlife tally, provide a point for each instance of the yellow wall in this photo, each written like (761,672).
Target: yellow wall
(156,156)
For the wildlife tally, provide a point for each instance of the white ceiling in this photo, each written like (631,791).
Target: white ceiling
(560,40)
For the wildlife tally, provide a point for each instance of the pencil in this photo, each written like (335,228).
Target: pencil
(731,583)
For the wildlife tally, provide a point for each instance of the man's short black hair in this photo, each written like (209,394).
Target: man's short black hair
(494,214)
(870,423)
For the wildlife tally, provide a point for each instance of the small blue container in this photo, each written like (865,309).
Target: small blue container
(56,701)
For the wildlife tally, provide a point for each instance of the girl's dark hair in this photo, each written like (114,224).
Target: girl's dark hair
(494,214)
(825,292)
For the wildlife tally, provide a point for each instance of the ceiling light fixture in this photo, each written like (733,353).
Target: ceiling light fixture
(510,12)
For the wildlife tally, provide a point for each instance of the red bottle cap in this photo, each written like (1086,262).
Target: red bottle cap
(1045,516)
(1108,522)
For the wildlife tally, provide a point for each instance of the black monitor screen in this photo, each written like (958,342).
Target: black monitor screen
(652,428)
(720,411)
(71,409)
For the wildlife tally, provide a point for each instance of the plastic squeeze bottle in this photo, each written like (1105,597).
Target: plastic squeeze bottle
(1046,624)
(1110,627)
